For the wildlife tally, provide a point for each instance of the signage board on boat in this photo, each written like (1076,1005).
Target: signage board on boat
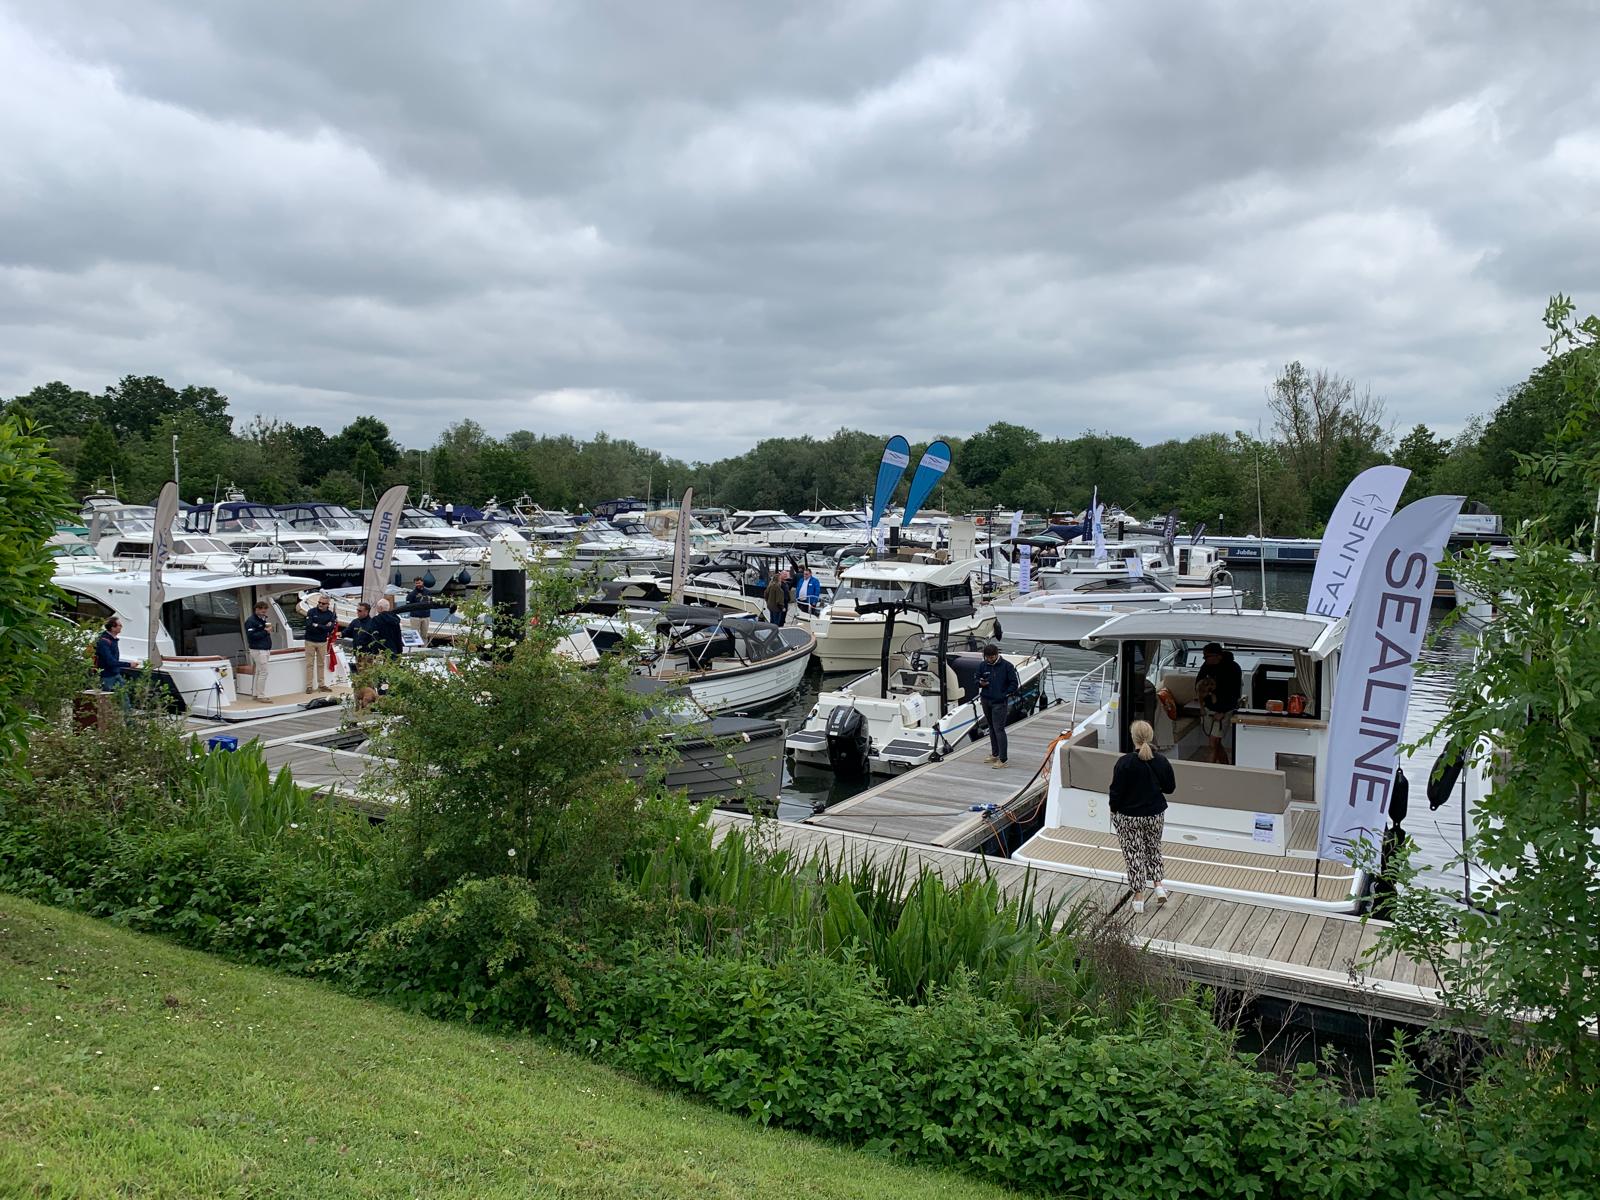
(896,458)
(935,462)
(382,538)
(1362,512)
(160,552)
(1387,624)
(1024,568)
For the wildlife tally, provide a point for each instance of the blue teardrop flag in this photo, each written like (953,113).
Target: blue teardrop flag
(896,458)
(935,462)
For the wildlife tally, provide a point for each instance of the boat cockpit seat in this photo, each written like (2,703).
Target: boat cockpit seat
(965,665)
(703,655)
(1170,731)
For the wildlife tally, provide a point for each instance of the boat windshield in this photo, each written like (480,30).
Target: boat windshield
(415,519)
(305,545)
(873,591)
(202,545)
(845,521)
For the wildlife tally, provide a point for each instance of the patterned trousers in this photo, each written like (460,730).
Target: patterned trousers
(1141,848)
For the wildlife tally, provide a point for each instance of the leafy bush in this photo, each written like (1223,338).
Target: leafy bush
(512,761)
(34,494)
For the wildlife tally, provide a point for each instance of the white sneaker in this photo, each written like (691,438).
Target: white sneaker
(1161,894)
(1138,906)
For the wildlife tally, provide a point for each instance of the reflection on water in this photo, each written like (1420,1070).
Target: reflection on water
(1438,834)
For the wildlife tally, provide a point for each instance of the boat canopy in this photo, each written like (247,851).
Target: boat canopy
(1316,636)
(890,570)
(181,584)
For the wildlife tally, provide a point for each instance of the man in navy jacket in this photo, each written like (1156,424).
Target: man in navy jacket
(998,683)
(320,623)
(108,656)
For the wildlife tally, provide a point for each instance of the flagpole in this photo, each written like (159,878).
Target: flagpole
(1261,533)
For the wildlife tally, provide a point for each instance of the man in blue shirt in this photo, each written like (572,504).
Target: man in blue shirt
(809,593)
(998,683)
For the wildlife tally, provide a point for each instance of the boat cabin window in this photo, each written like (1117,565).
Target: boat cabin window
(208,623)
(86,610)
(1121,586)
(879,591)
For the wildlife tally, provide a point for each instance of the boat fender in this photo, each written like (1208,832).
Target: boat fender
(1168,704)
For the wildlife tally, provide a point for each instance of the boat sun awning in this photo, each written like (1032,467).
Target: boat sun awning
(1313,635)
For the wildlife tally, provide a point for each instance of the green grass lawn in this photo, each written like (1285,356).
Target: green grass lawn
(132,1068)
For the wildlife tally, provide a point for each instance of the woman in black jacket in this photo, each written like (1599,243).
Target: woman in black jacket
(1140,784)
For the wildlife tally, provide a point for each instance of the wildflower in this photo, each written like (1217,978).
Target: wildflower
(511,853)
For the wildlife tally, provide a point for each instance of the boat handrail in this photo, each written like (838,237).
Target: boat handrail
(1100,675)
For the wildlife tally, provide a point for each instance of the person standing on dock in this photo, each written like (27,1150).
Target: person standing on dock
(258,641)
(777,598)
(1219,685)
(320,621)
(387,636)
(998,683)
(419,592)
(1140,784)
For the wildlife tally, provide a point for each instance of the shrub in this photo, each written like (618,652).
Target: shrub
(512,761)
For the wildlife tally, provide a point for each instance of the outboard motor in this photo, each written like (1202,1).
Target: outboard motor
(849,744)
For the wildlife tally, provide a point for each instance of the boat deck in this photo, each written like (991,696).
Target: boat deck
(1290,876)
(933,804)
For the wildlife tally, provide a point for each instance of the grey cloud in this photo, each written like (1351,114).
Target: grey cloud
(697,227)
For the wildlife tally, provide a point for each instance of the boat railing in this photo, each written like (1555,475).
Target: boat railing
(1223,579)
(1085,691)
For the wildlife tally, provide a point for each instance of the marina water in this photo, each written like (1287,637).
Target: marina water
(1438,834)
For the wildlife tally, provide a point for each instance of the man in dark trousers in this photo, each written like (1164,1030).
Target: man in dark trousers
(777,598)
(386,629)
(108,656)
(998,683)
(362,639)
(1219,685)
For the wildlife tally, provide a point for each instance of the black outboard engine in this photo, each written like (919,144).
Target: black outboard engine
(849,744)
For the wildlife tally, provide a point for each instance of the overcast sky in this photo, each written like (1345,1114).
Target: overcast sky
(696,225)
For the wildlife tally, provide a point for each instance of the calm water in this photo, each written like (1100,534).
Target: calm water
(1438,834)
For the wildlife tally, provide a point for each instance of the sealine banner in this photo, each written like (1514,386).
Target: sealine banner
(935,462)
(1358,518)
(896,458)
(160,551)
(680,547)
(381,539)
(1387,624)
(1016,524)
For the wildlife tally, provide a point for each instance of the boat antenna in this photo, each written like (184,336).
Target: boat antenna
(1261,533)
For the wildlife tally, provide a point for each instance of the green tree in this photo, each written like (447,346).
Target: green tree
(102,461)
(339,487)
(1421,453)
(1328,432)
(58,409)
(985,456)
(33,496)
(370,432)
(138,404)
(1527,711)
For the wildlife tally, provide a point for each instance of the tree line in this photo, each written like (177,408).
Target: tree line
(1321,430)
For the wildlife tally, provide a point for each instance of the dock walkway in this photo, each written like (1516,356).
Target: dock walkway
(1254,949)
(932,804)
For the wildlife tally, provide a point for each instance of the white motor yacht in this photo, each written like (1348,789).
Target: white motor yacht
(465,554)
(850,628)
(1246,830)
(1066,617)
(201,636)
(347,533)
(258,533)
(919,703)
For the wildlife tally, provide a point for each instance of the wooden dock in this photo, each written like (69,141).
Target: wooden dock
(1253,949)
(1310,959)
(933,804)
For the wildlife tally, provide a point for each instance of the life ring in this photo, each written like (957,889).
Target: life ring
(1168,704)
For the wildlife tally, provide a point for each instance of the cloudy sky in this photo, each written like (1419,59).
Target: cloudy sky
(696,225)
